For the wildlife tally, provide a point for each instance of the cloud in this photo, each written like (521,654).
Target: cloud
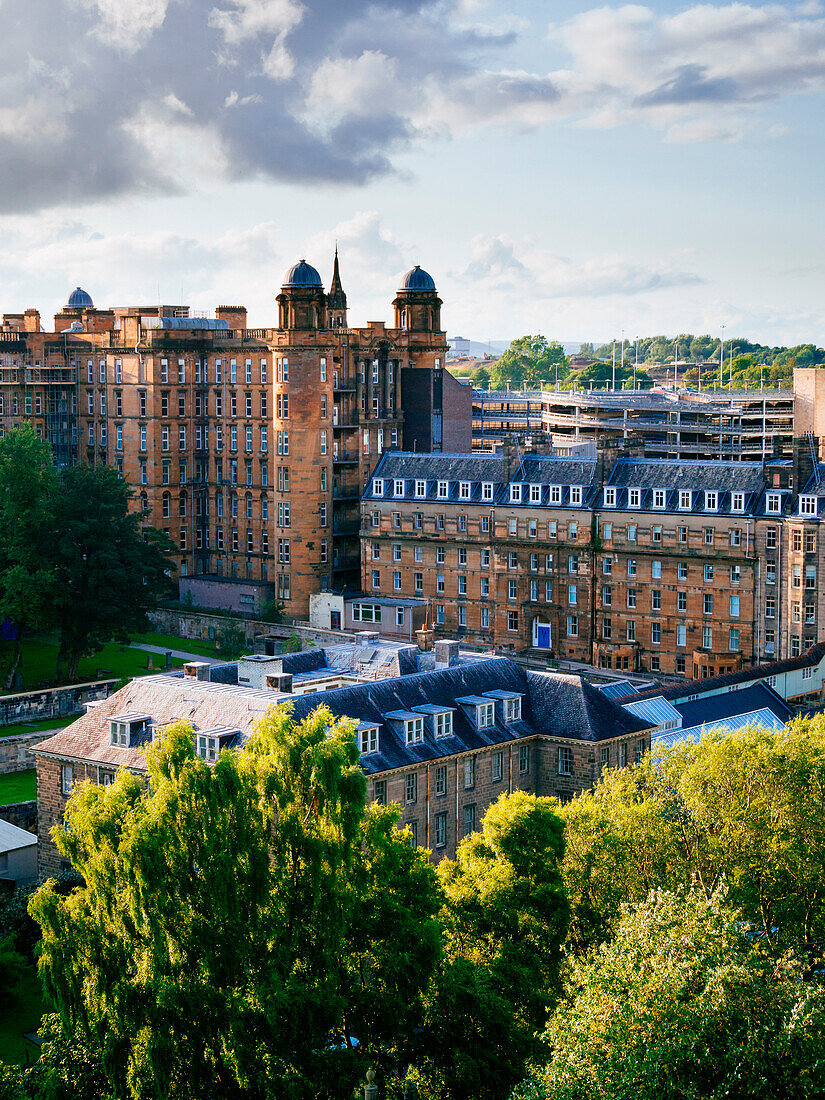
(147,97)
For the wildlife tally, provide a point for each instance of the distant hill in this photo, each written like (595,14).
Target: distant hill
(461,347)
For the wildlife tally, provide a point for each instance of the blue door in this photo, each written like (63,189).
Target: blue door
(543,637)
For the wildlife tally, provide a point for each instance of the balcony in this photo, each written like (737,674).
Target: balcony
(345,458)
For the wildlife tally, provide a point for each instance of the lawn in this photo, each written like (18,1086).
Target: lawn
(19,1016)
(113,662)
(18,787)
(40,724)
(185,645)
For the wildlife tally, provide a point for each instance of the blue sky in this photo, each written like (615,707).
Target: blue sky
(572,169)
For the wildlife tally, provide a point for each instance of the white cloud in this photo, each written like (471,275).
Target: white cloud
(127,24)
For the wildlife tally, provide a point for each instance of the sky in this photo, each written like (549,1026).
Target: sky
(570,169)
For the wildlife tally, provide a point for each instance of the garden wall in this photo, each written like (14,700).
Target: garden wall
(203,626)
(21,814)
(59,702)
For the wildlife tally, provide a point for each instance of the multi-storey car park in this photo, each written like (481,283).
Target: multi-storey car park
(741,424)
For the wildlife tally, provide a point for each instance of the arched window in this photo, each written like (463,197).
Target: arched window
(144,503)
(248,505)
(166,501)
(403,319)
(234,504)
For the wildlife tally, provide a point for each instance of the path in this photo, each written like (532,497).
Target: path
(179,653)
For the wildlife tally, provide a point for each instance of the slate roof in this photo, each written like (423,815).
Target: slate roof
(763,717)
(552,704)
(756,697)
(555,470)
(13,838)
(695,476)
(810,659)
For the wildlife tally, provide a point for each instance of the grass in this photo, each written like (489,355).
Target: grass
(18,787)
(113,662)
(22,1014)
(185,645)
(40,724)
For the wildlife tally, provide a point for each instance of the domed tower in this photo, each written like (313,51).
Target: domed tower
(336,299)
(302,302)
(80,299)
(417,305)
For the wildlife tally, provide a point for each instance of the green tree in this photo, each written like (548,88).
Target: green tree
(531,359)
(28,485)
(109,569)
(505,920)
(240,923)
(231,642)
(747,807)
(681,1005)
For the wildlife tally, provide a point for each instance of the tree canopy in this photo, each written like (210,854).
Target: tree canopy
(530,359)
(241,924)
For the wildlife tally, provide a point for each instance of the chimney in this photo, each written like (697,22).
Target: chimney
(424,637)
(446,653)
(367,637)
(31,320)
(235,316)
(196,670)
(285,683)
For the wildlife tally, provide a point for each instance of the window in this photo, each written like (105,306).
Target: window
(440,830)
(659,498)
(773,503)
(685,500)
(631,597)
(469,773)
(442,489)
(469,819)
(515,494)
(572,626)
(771,538)
(565,760)
(464,490)
(411,788)
(682,570)
(524,759)
(378,487)
(621,752)
(575,495)
(681,634)
(735,537)
(810,576)
(555,494)
(734,607)
(770,607)
(398,487)
(708,572)
(631,532)
(707,637)
(487,490)
(607,531)
(634,498)
(733,639)
(441,780)
(711,501)
(512,621)
(607,628)
(807,506)
(369,740)
(485,715)
(66,778)
(496,766)
(810,542)
(512,710)
(707,603)
(420,488)
(656,533)
(681,534)
(609,497)
(631,567)
(681,601)
(630,632)
(656,599)
(737,502)
(655,633)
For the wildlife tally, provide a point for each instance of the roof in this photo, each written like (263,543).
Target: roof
(417,279)
(656,711)
(763,717)
(302,274)
(694,476)
(13,838)
(80,299)
(552,704)
(207,324)
(619,689)
(810,658)
(731,703)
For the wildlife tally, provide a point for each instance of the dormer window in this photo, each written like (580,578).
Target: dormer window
(123,728)
(464,490)
(368,739)
(807,506)
(535,494)
(634,498)
(555,494)
(512,710)
(420,489)
(413,730)
(737,502)
(685,500)
(208,743)
(486,490)
(711,501)
(443,490)
(659,498)
(378,487)
(439,719)
(515,494)
(575,495)
(485,715)
(444,724)
(610,497)
(773,504)
(398,487)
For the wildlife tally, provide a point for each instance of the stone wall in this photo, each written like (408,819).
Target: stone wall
(203,626)
(15,752)
(62,702)
(21,814)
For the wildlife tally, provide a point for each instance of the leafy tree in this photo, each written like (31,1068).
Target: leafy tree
(505,919)
(530,359)
(231,642)
(28,485)
(240,923)
(747,807)
(481,378)
(12,968)
(682,1005)
(292,643)
(109,570)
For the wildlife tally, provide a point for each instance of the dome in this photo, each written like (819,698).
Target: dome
(417,279)
(303,274)
(79,299)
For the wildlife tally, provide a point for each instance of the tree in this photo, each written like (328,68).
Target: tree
(505,919)
(231,642)
(683,1004)
(747,807)
(28,484)
(530,359)
(241,923)
(109,569)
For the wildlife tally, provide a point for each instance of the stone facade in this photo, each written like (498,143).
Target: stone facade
(249,447)
(16,752)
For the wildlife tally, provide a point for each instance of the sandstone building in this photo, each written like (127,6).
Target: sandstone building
(250,447)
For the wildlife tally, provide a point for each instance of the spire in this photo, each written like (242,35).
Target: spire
(336,299)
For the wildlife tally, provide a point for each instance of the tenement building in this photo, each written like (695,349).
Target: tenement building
(686,568)
(250,447)
(442,743)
